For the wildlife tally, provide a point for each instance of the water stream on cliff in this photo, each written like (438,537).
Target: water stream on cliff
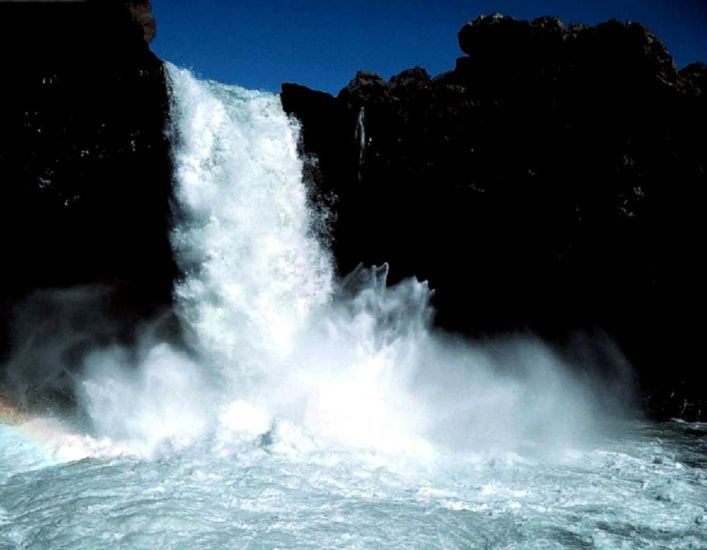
(314,412)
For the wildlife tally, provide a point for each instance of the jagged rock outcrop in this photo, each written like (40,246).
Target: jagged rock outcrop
(85,175)
(553,181)
(141,11)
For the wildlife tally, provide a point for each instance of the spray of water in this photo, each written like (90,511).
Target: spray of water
(280,351)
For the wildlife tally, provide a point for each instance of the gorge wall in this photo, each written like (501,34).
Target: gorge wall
(84,163)
(553,182)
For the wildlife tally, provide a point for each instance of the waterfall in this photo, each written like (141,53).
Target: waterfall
(279,346)
(306,410)
(254,269)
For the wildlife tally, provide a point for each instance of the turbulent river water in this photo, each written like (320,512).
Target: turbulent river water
(308,411)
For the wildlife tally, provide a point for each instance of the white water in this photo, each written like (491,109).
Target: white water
(360,137)
(316,413)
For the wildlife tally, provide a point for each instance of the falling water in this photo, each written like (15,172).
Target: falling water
(360,137)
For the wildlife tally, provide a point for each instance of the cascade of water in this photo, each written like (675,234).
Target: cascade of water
(276,340)
(254,271)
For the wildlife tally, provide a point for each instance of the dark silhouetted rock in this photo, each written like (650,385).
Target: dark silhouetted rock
(695,76)
(85,174)
(552,182)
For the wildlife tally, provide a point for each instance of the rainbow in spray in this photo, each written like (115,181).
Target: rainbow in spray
(52,439)
(11,414)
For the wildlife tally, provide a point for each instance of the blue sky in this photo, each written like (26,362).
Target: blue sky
(262,43)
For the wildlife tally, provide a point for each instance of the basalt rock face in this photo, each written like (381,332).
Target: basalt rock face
(85,175)
(553,182)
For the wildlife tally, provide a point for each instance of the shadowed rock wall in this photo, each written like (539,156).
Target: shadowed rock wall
(553,182)
(85,175)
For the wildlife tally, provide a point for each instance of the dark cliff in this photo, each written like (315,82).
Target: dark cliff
(552,182)
(85,173)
